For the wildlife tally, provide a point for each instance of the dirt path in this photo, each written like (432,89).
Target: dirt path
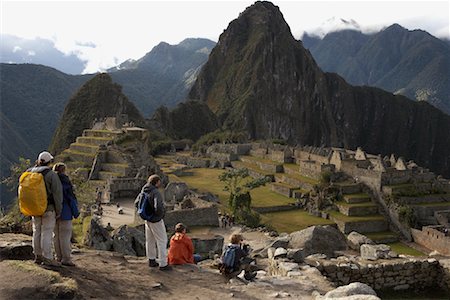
(111,215)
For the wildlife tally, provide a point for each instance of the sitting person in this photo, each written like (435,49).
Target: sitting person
(235,259)
(181,249)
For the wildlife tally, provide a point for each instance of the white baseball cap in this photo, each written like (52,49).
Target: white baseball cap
(45,157)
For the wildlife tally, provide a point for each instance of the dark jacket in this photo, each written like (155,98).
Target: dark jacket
(70,203)
(239,255)
(156,202)
(53,187)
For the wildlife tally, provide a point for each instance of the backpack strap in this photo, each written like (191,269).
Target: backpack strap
(50,199)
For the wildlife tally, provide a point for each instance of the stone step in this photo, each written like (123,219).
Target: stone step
(383,237)
(366,224)
(295,180)
(86,158)
(103,175)
(293,169)
(356,198)
(283,189)
(101,133)
(116,168)
(348,187)
(94,141)
(357,210)
(73,165)
(115,158)
(86,148)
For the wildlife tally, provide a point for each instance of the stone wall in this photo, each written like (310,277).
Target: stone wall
(369,177)
(269,209)
(125,187)
(223,156)
(205,216)
(386,275)
(313,169)
(432,239)
(192,162)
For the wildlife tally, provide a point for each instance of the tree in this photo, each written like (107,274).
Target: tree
(12,181)
(239,184)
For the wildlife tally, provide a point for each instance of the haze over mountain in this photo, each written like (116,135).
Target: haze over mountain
(412,63)
(260,79)
(41,51)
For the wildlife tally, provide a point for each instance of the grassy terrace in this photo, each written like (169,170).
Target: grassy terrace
(293,220)
(363,204)
(302,178)
(376,236)
(241,164)
(263,160)
(401,248)
(344,218)
(431,204)
(206,180)
(361,195)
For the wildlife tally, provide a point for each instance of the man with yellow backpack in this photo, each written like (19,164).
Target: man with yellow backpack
(40,196)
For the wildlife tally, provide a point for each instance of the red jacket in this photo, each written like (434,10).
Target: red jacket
(181,250)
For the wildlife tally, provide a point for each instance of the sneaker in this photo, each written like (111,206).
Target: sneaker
(68,263)
(250,276)
(152,263)
(166,268)
(50,262)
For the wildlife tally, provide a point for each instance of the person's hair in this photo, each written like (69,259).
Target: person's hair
(180,227)
(42,163)
(59,167)
(236,238)
(153,179)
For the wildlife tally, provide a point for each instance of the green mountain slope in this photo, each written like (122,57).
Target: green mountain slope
(97,98)
(412,63)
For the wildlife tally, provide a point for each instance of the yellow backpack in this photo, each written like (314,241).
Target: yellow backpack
(32,193)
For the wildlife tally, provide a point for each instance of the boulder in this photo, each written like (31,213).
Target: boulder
(205,244)
(280,252)
(355,240)
(318,239)
(210,197)
(285,267)
(351,290)
(175,191)
(374,252)
(98,237)
(15,246)
(296,255)
(129,241)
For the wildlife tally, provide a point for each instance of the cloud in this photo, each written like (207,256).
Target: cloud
(16,49)
(85,44)
(31,53)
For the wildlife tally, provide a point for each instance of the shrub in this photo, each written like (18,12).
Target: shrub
(407,216)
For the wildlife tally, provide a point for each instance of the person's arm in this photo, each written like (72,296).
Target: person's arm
(73,202)
(57,192)
(159,203)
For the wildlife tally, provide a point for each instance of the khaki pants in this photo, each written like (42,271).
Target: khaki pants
(42,234)
(155,235)
(63,235)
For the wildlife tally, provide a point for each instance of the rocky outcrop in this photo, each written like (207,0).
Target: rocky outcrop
(129,241)
(259,78)
(355,240)
(98,237)
(206,244)
(15,246)
(318,239)
(353,291)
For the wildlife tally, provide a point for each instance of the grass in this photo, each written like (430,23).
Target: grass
(241,164)
(301,178)
(344,218)
(80,227)
(360,195)
(206,180)
(363,204)
(432,204)
(292,220)
(31,267)
(376,236)
(401,248)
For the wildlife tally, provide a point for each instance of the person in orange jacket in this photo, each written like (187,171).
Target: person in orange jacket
(181,250)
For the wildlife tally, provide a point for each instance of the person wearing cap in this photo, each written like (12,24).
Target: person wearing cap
(44,225)
(181,249)
(155,230)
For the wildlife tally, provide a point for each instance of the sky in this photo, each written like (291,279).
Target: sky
(106,33)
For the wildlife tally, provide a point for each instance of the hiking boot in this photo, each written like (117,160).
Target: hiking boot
(152,263)
(50,262)
(250,276)
(38,259)
(68,263)
(166,268)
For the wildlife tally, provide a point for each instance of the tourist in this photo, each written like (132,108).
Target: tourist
(44,225)
(240,260)
(109,227)
(155,230)
(63,228)
(181,250)
(98,193)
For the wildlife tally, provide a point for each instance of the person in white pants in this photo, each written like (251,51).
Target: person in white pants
(63,228)
(43,225)
(155,230)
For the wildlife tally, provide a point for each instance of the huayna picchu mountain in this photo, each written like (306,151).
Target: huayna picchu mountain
(260,79)
(96,99)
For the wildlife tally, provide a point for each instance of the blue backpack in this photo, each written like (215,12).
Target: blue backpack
(144,208)
(227,260)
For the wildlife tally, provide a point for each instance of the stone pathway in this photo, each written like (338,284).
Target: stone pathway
(111,215)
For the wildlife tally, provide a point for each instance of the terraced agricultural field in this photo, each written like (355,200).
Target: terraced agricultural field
(293,220)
